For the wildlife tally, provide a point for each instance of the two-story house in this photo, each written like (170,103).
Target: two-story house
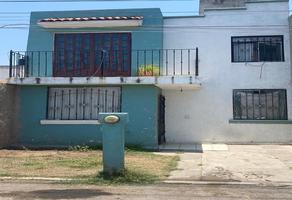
(80,63)
(221,76)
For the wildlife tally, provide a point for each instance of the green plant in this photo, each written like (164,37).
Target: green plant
(132,147)
(148,70)
(83,148)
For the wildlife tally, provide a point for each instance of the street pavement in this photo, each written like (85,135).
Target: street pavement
(45,191)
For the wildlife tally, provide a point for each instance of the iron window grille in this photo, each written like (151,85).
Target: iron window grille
(257,48)
(82,103)
(260,104)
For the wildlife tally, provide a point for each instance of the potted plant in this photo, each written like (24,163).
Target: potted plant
(148,70)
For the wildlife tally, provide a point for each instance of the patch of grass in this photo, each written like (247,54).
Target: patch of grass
(290,168)
(90,162)
(3,174)
(126,177)
(86,166)
(33,164)
(129,177)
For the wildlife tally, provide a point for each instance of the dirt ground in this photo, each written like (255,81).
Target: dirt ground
(28,191)
(76,164)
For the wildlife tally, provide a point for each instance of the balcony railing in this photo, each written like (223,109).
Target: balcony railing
(104,63)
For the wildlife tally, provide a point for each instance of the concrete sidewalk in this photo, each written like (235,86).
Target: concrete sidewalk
(238,163)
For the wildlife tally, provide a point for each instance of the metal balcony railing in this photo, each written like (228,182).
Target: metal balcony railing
(104,63)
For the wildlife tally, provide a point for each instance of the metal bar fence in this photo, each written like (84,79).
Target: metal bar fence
(145,62)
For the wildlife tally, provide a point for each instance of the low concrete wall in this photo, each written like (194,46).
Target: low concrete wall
(8,114)
(4,72)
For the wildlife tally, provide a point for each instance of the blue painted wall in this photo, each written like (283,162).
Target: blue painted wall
(148,36)
(33,104)
(141,102)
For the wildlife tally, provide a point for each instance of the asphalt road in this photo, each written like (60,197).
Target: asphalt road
(27,190)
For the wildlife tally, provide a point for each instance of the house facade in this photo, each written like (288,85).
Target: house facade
(245,71)
(221,76)
(80,63)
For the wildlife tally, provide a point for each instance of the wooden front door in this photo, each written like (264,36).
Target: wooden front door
(92,54)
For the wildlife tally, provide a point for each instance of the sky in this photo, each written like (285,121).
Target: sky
(11,39)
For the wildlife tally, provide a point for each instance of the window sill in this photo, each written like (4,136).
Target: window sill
(259,62)
(69,122)
(233,121)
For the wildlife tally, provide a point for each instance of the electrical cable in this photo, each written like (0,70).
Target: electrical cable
(100,65)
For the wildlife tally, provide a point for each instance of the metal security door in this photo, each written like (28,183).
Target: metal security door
(161,120)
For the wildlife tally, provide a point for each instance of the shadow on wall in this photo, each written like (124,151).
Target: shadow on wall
(217,4)
(9,108)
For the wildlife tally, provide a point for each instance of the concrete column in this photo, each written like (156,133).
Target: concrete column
(113,141)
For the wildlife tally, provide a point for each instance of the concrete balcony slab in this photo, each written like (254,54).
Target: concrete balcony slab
(186,82)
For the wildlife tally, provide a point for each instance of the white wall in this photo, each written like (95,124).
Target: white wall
(4,72)
(203,115)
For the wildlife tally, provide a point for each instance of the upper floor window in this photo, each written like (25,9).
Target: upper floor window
(92,54)
(257,49)
(260,104)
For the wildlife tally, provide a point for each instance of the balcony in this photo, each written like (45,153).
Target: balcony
(162,67)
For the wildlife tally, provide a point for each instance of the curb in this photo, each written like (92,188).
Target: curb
(190,182)
(182,182)
(35,178)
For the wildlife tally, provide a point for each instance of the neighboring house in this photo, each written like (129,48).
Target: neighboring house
(4,72)
(222,76)
(245,71)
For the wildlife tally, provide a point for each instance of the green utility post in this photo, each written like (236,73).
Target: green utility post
(113,141)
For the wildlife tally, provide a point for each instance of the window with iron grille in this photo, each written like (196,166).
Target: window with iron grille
(82,103)
(260,104)
(257,49)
